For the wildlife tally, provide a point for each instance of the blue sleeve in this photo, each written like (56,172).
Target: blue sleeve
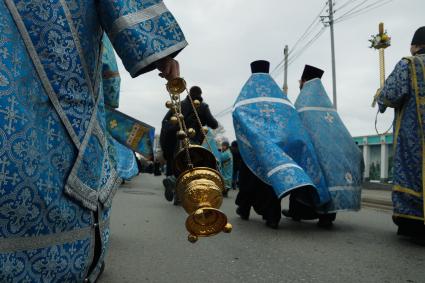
(110,75)
(141,31)
(396,87)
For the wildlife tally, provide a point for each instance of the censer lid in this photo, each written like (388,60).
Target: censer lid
(200,157)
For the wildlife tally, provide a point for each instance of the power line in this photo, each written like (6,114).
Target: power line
(348,2)
(363,10)
(301,51)
(355,7)
(308,31)
(307,45)
(305,34)
(295,52)
(349,14)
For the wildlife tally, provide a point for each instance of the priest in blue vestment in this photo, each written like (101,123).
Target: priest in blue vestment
(339,157)
(57,169)
(275,148)
(404,90)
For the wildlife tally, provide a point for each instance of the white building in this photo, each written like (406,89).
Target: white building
(378,156)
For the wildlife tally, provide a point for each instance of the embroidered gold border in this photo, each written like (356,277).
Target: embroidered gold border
(408,216)
(398,188)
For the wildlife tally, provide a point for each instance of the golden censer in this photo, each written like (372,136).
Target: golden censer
(199,185)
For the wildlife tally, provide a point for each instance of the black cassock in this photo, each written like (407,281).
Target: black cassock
(256,194)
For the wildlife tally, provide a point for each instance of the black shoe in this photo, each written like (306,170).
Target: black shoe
(272,224)
(176,200)
(244,216)
(169,189)
(326,220)
(418,240)
(288,214)
(226,193)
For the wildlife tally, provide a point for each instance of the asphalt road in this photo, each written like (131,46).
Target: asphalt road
(148,244)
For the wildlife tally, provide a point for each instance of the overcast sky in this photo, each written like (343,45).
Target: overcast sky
(226,35)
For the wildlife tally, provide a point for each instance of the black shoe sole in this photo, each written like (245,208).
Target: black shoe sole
(242,215)
(272,225)
(169,189)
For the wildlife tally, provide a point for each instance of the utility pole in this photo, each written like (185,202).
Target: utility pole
(331,25)
(285,78)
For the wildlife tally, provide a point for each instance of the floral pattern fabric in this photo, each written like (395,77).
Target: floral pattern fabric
(404,90)
(57,167)
(339,157)
(272,140)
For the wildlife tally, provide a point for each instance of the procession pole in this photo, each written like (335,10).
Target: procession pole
(382,57)
(381,41)
(285,78)
(331,26)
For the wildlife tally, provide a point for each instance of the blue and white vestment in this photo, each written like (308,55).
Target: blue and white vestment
(57,167)
(339,157)
(404,90)
(272,140)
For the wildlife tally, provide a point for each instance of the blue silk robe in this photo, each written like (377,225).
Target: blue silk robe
(272,141)
(404,90)
(226,160)
(57,167)
(339,157)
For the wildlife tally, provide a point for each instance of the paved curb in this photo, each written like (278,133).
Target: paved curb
(377,186)
(377,203)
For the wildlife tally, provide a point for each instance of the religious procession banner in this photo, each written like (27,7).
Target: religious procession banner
(130,132)
(272,140)
(210,143)
(339,157)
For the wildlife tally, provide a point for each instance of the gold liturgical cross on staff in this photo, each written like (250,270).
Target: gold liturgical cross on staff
(381,41)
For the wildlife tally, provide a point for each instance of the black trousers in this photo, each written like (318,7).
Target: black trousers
(255,193)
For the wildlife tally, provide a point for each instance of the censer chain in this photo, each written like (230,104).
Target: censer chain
(199,122)
(182,126)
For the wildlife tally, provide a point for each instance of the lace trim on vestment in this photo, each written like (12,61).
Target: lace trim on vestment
(132,19)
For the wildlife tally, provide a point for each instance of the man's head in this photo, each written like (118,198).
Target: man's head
(418,41)
(234,144)
(196,93)
(310,73)
(224,145)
